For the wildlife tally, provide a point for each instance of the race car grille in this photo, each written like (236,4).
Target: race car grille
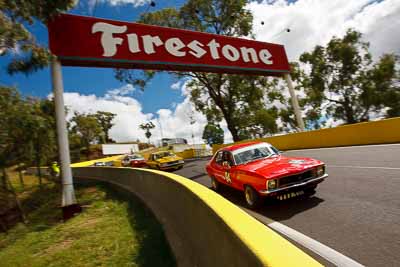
(297,178)
(173,162)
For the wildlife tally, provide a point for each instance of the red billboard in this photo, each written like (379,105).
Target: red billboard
(95,42)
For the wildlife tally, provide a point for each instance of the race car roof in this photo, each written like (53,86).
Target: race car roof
(237,146)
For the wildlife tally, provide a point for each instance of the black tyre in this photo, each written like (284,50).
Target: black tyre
(215,184)
(252,197)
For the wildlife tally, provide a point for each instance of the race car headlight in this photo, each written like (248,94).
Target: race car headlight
(181,161)
(163,164)
(271,184)
(320,170)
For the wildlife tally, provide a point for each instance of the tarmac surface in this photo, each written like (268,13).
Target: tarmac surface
(355,212)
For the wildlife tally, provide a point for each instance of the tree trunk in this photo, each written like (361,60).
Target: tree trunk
(106,137)
(88,151)
(21,177)
(234,132)
(4,178)
(11,189)
(349,113)
(38,164)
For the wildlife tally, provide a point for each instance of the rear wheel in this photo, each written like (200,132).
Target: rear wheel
(215,184)
(252,197)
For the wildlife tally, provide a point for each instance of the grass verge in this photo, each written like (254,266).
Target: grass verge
(113,230)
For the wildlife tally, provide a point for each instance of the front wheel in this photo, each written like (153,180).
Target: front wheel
(252,197)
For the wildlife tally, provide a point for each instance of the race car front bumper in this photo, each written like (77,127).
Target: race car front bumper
(298,186)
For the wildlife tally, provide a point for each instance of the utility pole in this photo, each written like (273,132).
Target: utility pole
(161,131)
(295,103)
(68,204)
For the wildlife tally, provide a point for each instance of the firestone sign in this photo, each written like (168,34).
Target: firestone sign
(87,41)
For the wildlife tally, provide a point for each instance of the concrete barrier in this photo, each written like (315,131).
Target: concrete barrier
(366,133)
(203,228)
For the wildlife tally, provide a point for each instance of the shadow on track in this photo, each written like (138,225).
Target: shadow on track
(277,210)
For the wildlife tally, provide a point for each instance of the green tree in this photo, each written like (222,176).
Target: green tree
(11,106)
(41,130)
(14,15)
(105,120)
(88,128)
(213,134)
(26,133)
(147,127)
(218,96)
(346,83)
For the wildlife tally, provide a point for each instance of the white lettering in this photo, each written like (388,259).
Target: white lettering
(133,43)
(197,49)
(173,45)
(213,49)
(230,53)
(249,51)
(108,42)
(149,42)
(265,56)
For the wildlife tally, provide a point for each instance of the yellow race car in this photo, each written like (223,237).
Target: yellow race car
(165,160)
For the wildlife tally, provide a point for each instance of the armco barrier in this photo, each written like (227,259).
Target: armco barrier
(203,228)
(366,133)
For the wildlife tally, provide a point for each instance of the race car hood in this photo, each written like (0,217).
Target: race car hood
(278,166)
(169,159)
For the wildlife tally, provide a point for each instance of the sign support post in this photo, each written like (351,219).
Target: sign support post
(69,204)
(295,103)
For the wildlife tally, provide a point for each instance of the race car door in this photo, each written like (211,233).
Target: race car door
(222,167)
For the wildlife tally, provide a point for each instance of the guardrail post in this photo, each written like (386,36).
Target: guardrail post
(68,204)
(295,103)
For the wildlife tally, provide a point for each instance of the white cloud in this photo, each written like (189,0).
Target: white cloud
(313,22)
(169,123)
(122,91)
(176,86)
(128,110)
(92,4)
(135,3)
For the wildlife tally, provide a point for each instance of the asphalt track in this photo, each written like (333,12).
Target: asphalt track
(355,212)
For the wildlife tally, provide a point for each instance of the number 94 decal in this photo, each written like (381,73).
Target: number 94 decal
(227,177)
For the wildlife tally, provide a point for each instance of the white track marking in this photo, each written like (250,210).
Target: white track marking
(343,147)
(362,167)
(325,252)
(318,248)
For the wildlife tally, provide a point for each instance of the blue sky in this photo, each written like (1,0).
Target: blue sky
(97,80)
(312,22)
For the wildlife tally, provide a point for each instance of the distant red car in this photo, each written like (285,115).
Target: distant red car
(260,170)
(134,160)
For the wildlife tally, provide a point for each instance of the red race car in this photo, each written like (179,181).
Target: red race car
(259,169)
(134,160)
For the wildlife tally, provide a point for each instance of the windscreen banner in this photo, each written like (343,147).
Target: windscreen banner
(95,42)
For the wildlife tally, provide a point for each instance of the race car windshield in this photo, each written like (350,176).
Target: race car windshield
(135,157)
(164,154)
(252,153)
